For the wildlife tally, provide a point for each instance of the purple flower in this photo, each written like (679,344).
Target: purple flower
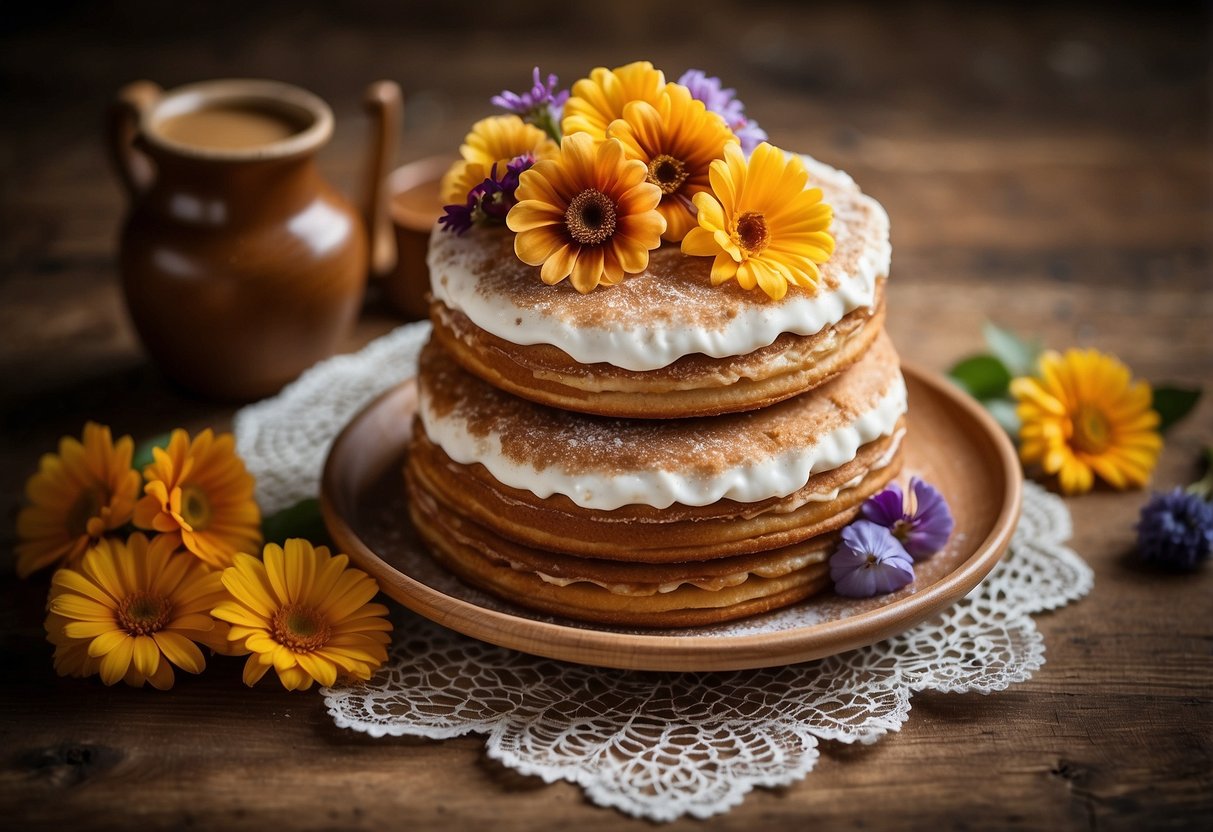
(457,218)
(541,106)
(708,89)
(923,527)
(869,561)
(1176,530)
(490,201)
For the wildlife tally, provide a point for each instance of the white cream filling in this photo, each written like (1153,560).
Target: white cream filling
(775,476)
(641,345)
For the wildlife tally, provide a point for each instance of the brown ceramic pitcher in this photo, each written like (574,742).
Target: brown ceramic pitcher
(241,265)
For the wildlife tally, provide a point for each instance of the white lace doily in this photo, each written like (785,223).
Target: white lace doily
(655,745)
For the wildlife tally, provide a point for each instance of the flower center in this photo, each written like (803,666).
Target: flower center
(901,530)
(752,232)
(590,217)
(302,629)
(1091,430)
(142,613)
(195,507)
(667,173)
(85,508)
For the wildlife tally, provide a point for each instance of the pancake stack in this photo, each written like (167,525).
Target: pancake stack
(660,453)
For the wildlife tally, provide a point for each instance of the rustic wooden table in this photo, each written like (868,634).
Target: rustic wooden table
(1049,169)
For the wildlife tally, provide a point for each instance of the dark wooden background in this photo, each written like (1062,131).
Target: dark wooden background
(1048,167)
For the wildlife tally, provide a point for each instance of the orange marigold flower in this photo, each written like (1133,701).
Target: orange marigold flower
(306,614)
(588,214)
(200,494)
(760,222)
(678,139)
(132,610)
(77,495)
(1086,416)
(600,99)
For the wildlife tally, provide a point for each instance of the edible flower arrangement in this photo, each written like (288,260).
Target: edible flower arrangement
(155,560)
(594,178)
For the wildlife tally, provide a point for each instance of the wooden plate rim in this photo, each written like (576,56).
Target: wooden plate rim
(683,653)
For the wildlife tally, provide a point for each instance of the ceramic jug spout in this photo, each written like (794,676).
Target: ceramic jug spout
(385,109)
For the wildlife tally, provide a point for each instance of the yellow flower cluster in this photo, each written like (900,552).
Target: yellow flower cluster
(641,161)
(132,608)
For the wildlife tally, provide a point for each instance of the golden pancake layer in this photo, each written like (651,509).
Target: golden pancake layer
(571,513)
(665,343)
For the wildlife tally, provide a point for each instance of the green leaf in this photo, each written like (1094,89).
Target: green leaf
(143,451)
(1174,403)
(982,377)
(303,519)
(1203,487)
(1003,411)
(1017,355)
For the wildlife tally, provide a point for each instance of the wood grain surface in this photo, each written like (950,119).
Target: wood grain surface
(1046,167)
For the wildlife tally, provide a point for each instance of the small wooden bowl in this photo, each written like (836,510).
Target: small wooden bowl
(952,442)
(414,206)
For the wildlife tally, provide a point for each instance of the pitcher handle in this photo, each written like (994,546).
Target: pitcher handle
(384,105)
(133,167)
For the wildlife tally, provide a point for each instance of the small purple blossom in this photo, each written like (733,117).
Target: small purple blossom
(922,528)
(709,90)
(541,106)
(457,218)
(869,561)
(1176,530)
(490,201)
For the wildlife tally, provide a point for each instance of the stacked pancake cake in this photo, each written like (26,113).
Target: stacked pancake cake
(654,450)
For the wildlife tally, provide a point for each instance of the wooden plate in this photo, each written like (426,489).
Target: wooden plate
(951,442)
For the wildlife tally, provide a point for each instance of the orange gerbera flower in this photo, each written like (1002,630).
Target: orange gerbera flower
(200,494)
(493,140)
(600,99)
(306,614)
(79,494)
(761,223)
(1086,416)
(132,610)
(678,139)
(588,214)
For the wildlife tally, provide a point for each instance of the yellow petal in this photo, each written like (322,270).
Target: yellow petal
(699,242)
(559,264)
(322,671)
(146,655)
(180,651)
(254,670)
(117,661)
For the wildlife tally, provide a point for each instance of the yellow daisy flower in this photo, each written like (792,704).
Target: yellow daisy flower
(79,494)
(600,99)
(761,223)
(588,215)
(493,140)
(677,140)
(132,611)
(200,495)
(1085,416)
(306,614)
